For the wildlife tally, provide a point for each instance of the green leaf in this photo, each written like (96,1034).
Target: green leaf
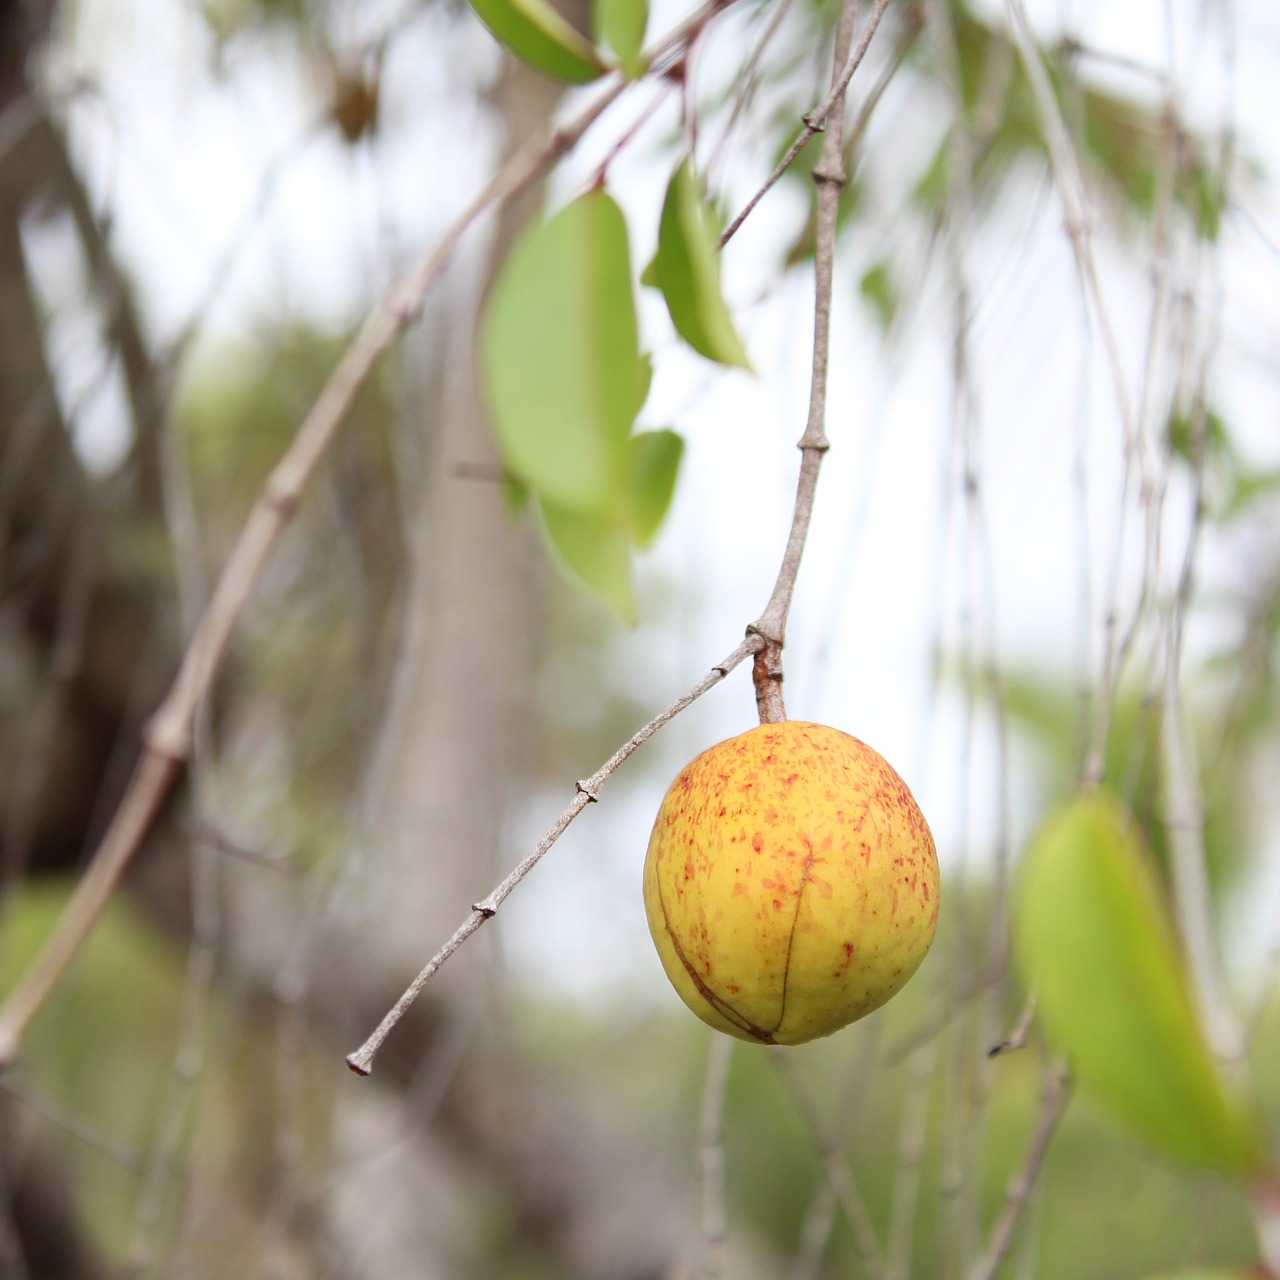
(621,24)
(1092,934)
(655,461)
(561,366)
(595,551)
(538,35)
(687,269)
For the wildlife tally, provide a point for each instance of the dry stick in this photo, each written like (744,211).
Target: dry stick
(168,734)
(711,1158)
(835,1166)
(912,1134)
(814,121)
(1053,1104)
(587,792)
(829,176)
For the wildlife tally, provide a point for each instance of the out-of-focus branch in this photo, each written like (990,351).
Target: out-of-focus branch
(836,1167)
(1053,1104)
(711,1224)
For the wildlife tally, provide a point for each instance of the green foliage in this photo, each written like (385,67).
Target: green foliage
(538,35)
(565,381)
(621,25)
(1094,941)
(687,270)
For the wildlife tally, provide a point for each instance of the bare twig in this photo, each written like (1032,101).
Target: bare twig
(830,177)
(1053,1103)
(1018,1036)
(711,1158)
(814,120)
(588,791)
(910,1159)
(835,1166)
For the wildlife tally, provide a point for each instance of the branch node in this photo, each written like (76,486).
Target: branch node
(593,797)
(487,909)
(165,735)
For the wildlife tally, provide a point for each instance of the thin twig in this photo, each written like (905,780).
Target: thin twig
(814,120)
(1053,1103)
(588,791)
(835,1166)
(829,177)
(912,1133)
(711,1159)
(815,1231)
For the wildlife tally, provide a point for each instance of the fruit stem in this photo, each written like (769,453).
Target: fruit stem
(766,674)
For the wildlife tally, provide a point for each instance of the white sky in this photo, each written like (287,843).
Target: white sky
(181,158)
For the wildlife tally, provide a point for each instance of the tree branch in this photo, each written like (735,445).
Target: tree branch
(830,177)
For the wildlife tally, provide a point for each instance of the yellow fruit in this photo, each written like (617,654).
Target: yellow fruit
(791,883)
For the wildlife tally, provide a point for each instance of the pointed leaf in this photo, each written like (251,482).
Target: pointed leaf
(538,35)
(621,25)
(655,461)
(687,269)
(594,551)
(562,370)
(1094,939)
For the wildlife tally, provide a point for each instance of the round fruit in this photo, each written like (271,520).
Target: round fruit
(791,883)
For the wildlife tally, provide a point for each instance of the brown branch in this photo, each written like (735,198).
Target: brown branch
(586,792)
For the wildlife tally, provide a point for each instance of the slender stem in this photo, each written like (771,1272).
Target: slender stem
(711,1158)
(814,120)
(588,791)
(861,1226)
(1053,1104)
(829,177)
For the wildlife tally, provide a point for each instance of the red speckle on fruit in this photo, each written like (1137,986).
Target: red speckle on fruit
(757,841)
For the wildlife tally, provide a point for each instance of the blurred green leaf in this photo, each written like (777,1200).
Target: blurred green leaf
(561,366)
(621,25)
(594,550)
(1125,142)
(1094,940)
(655,462)
(880,294)
(538,35)
(687,269)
